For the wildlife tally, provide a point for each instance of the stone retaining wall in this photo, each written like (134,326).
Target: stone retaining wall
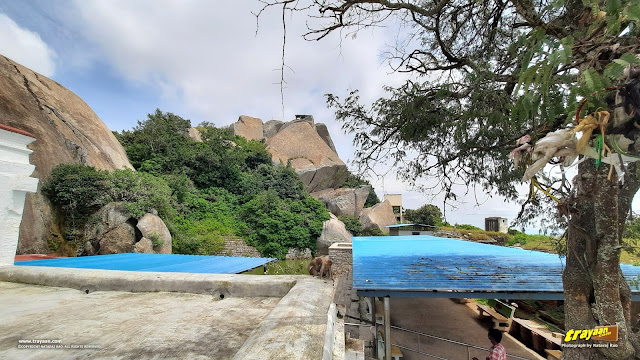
(238,247)
(342,257)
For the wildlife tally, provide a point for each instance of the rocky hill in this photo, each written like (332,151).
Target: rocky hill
(67,131)
(301,142)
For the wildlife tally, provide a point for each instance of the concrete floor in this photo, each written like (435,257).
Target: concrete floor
(126,325)
(447,319)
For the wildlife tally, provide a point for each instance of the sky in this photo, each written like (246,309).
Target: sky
(205,61)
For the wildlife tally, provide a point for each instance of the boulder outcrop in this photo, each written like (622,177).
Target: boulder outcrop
(66,131)
(106,219)
(323,132)
(271,127)
(345,201)
(194,134)
(248,127)
(154,229)
(122,239)
(333,231)
(317,164)
(379,215)
(144,246)
(111,230)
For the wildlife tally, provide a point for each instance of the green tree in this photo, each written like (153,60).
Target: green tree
(426,214)
(275,225)
(488,73)
(352,224)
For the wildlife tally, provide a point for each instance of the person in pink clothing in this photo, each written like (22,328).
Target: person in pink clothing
(497,351)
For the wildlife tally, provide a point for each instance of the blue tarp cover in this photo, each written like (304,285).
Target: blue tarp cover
(156,262)
(430,266)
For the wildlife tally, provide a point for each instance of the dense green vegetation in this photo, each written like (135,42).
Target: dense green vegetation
(427,214)
(204,191)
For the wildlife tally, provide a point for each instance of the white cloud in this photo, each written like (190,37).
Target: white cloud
(207,55)
(25,47)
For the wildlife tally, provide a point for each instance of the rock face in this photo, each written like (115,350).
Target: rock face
(344,201)
(333,231)
(66,130)
(379,215)
(152,228)
(248,127)
(271,127)
(317,164)
(323,132)
(105,220)
(122,239)
(111,230)
(194,134)
(144,246)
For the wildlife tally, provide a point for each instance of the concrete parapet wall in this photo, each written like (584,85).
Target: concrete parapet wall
(342,257)
(295,327)
(220,285)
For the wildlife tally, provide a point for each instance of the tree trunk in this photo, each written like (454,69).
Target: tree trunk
(596,293)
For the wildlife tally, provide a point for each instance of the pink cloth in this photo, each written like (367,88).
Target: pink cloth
(497,352)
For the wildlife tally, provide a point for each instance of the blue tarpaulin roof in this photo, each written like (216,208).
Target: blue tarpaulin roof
(156,262)
(429,266)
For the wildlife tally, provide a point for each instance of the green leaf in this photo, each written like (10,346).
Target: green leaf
(621,62)
(589,80)
(614,70)
(633,13)
(630,58)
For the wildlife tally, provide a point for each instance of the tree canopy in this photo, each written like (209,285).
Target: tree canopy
(427,214)
(489,77)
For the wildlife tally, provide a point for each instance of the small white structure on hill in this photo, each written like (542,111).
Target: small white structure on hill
(15,183)
(497,224)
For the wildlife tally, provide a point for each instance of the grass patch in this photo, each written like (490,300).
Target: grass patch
(283,267)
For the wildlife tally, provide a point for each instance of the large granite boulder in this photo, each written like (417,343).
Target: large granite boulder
(379,215)
(154,229)
(248,127)
(271,128)
(122,239)
(106,219)
(66,130)
(323,132)
(333,231)
(345,201)
(317,164)
(194,134)
(144,246)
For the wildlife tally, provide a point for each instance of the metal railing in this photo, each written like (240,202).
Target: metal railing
(467,346)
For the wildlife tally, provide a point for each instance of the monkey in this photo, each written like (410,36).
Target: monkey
(321,266)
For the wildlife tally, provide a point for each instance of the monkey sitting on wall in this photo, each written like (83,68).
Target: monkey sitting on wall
(321,266)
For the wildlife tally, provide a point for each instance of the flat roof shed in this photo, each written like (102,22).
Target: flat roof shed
(429,266)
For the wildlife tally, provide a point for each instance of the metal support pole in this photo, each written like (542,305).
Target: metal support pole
(387,329)
(375,326)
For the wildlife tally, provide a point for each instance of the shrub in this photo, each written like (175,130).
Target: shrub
(373,231)
(77,190)
(466,227)
(352,224)
(275,225)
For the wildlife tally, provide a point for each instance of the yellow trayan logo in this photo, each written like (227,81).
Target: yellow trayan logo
(599,333)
